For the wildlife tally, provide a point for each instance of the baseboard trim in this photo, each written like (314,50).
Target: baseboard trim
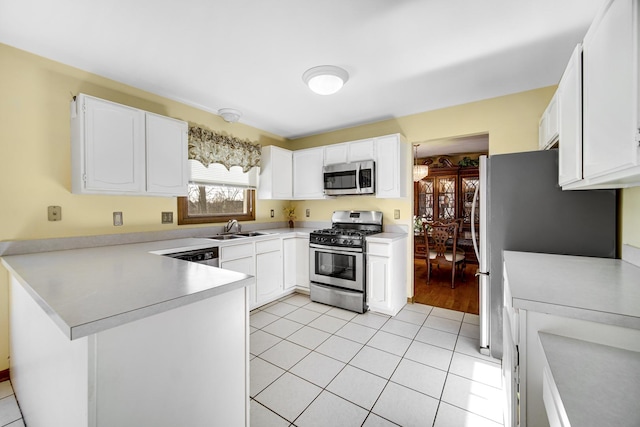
(4,375)
(410,300)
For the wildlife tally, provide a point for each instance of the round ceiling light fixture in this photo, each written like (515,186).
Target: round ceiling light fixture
(229,114)
(325,79)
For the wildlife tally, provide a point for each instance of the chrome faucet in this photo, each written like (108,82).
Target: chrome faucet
(230,224)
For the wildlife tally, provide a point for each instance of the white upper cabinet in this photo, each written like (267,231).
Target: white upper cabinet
(335,153)
(166,142)
(308,182)
(391,166)
(548,125)
(276,165)
(610,150)
(347,152)
(569,96)
(361,150)
(120,150)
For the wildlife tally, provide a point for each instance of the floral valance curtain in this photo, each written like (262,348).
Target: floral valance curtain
(209,147)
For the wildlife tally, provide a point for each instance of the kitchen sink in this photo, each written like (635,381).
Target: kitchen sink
(250,234)
(226,237)
(236,235)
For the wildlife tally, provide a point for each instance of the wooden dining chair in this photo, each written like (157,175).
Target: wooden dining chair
(441,240)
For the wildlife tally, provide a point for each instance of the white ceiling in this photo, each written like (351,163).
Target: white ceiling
(403,56)
(450,146)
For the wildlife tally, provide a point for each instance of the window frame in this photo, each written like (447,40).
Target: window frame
(184,218)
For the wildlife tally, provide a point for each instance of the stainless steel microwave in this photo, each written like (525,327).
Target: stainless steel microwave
(350,178)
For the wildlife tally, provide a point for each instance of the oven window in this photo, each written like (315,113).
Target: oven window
(339,266)
(340,180)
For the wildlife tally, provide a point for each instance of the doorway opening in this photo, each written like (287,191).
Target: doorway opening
(446,194)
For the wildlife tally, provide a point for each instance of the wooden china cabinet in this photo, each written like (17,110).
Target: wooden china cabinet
(446,194)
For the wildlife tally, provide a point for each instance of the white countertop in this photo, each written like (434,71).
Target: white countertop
(595,289)
(89,290)
(598,385)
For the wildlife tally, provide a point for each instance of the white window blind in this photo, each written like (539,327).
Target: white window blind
(217,174)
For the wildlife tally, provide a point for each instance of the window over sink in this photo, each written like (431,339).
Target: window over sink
(217,194)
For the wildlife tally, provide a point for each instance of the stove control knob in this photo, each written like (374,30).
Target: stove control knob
(333,240)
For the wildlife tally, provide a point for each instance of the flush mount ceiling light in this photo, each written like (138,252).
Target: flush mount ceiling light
(325,79)
(229,114)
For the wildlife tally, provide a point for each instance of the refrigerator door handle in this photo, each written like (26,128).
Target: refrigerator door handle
(482,273)
(473,222)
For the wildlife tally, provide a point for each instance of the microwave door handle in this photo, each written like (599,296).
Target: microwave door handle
(358,178)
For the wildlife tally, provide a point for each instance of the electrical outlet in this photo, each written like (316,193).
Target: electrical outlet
(117,219)
(272,214)
(396,214)
(167,217)
(55,213)
(307,213)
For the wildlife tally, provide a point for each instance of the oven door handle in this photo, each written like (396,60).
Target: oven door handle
(336,249)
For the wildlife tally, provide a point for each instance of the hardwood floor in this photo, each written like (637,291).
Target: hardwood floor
(438,293)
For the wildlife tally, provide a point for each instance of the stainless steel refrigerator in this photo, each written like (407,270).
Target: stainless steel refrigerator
(522,208)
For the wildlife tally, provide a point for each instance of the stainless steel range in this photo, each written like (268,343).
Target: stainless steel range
(338,259)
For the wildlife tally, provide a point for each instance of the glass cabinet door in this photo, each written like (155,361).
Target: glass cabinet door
(425,198)
(446,198)
(468,189)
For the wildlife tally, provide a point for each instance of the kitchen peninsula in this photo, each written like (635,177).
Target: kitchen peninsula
(120,336)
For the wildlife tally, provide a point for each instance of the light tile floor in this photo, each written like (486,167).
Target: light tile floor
(10,414)
(315,365)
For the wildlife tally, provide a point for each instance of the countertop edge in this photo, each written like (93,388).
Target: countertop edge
(583,403)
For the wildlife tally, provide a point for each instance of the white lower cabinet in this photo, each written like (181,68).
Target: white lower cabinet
(241,258)
(387,276)
(295,257)
(269,284)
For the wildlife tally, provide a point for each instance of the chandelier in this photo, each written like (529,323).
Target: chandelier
(419,171)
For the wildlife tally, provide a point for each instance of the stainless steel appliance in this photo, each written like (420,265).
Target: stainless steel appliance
(522,208)
(349,178)
(337,259)
(207,256)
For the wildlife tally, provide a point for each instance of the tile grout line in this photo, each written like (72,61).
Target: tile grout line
(378,329)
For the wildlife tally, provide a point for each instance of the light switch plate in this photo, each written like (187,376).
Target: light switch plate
(396,214)
(307,213)
(272,214)
(117,218)
(55,213)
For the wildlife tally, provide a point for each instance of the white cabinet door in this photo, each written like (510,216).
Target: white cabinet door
(570,116)
(167,165)
(107,147)
(361,150)
(548,127)
(308,181)
(243,265)
(269,283)
(378,278)
(390,167)
(335,153)
(295,262)
(120,150)
(275,174)
(610,62)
